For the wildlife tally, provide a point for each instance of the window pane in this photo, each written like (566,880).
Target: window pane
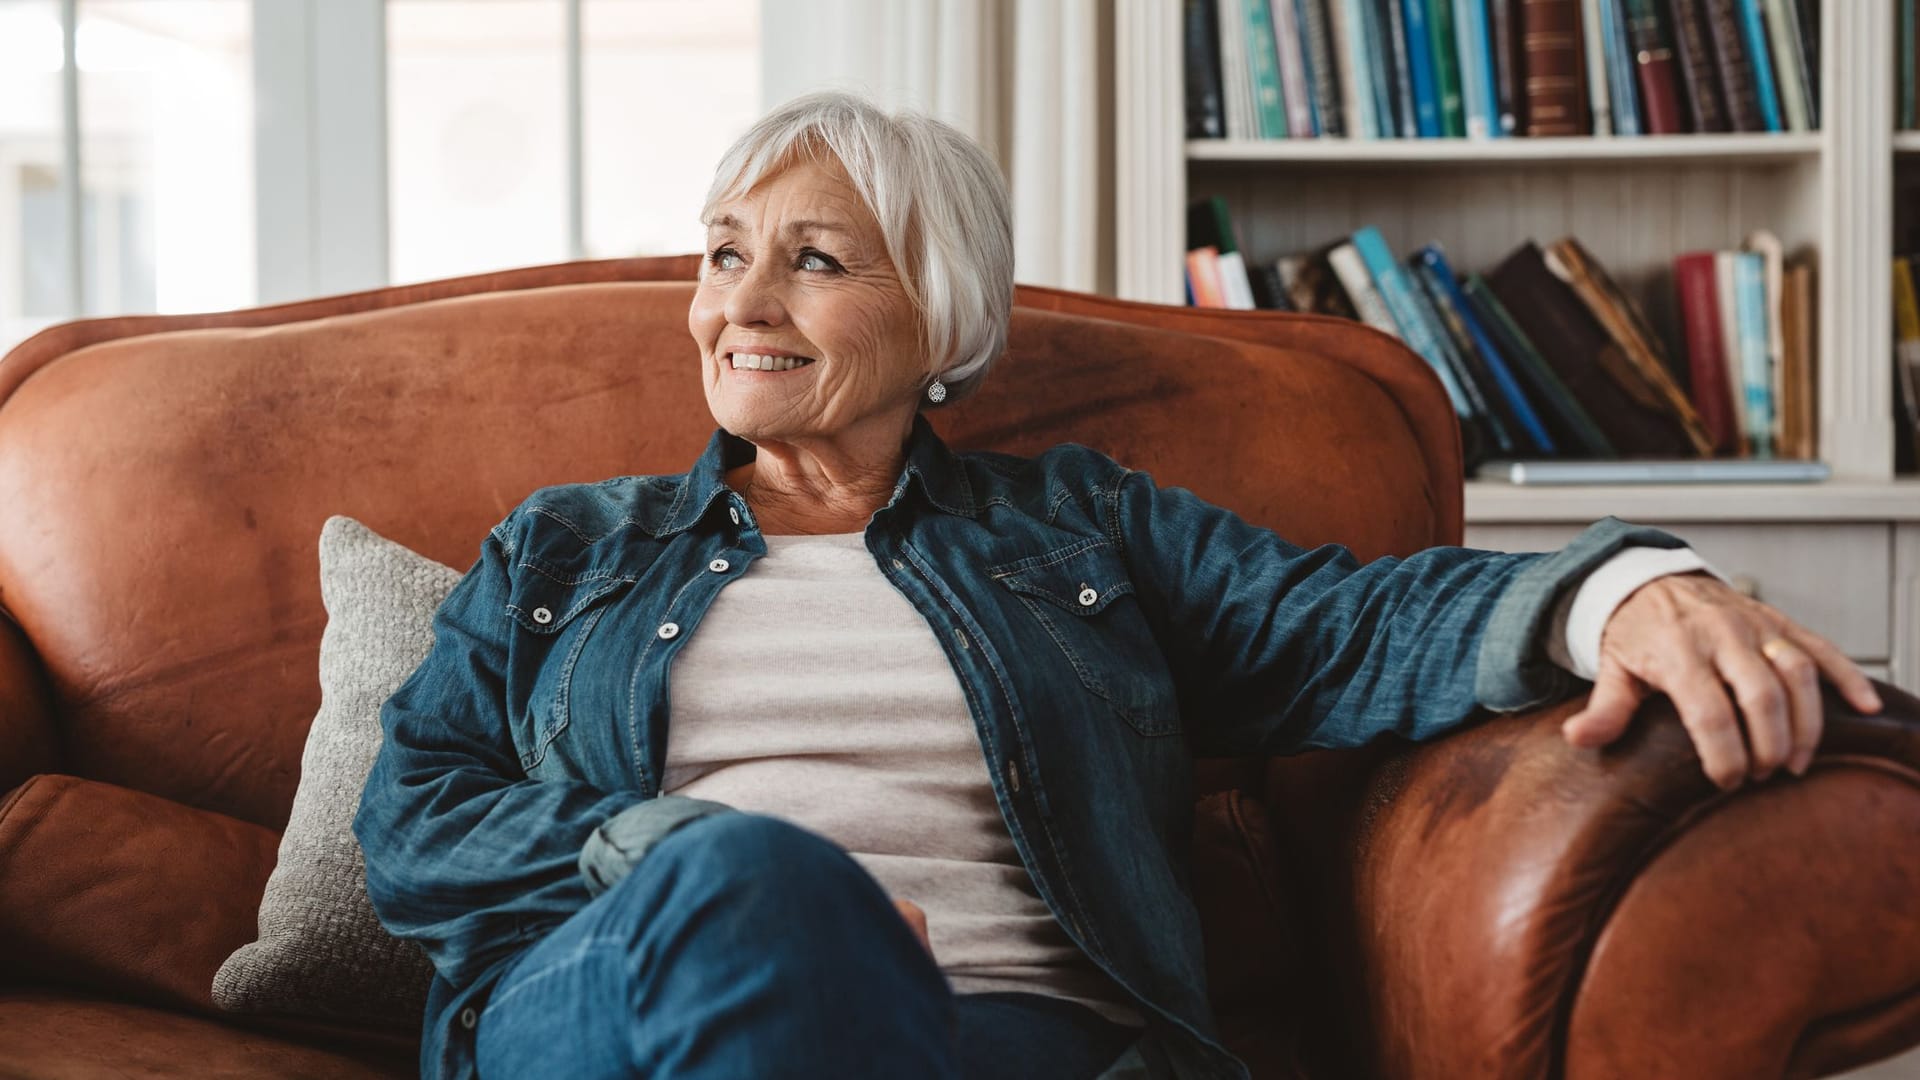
(667,86)
(476,135)
(33,245)
(166,155)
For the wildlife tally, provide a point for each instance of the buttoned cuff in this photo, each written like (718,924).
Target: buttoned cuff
(1580,617)
(618,845)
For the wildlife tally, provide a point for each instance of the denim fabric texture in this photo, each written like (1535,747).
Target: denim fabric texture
(1105,631)
(758,915)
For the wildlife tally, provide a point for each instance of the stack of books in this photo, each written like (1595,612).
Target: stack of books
(1482,69)
(1546,357)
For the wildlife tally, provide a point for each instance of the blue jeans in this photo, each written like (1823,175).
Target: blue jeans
(743,946)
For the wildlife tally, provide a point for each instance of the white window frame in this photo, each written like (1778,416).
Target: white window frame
(320,87)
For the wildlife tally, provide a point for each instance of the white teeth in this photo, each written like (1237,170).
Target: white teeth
(761,362)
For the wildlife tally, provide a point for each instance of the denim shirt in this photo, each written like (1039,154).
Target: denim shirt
(1105,632)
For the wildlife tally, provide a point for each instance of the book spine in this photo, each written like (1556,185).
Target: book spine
(1474,380)
(1753,34)
(1454,300)
(1808,12)
(1750,300)
(1726,302)
(1446,67)
(1700,320)
(1351,269)
(1263,63)
(1593,33)
(1807,40)
(1235,282)
(1206,119)
(1397,291)
(1476,70)
(1620,84)
(1783,33)
(1697,72)
(1654,64)
(1508,72)
(1555,394)
(1386,103)
(1236,83)
(1426,89)
(1292,57)
(1905,48)
(1329,110)
(1797,407)
(1268,293)
(1405,106)
(1203,276)
(1550,50)
(1356,87)
(1736,73)
(1620,319)
(1906,358)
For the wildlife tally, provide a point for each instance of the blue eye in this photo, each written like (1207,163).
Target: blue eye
(813,260)
(718,258)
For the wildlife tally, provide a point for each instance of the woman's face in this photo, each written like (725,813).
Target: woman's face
(805,330)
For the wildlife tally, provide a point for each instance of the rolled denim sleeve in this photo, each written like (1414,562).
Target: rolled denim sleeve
(614,848)
(1276,648)
(464,854)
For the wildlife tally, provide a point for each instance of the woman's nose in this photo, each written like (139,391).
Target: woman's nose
(757,299)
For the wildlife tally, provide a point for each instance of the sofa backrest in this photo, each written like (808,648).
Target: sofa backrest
(163,479)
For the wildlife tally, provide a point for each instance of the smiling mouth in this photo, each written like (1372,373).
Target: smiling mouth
(745,361)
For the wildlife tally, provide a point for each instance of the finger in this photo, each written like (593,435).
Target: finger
(1801,676)
(1764,705)
(1610,707)
(1839,670)
(1708,715)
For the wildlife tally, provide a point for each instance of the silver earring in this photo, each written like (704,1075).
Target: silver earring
(937,392)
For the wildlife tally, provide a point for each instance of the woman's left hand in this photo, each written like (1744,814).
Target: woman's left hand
(1692,637)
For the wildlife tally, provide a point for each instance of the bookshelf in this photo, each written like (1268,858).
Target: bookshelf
(1636,202)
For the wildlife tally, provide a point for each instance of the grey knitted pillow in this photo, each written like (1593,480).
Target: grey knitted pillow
(322,951)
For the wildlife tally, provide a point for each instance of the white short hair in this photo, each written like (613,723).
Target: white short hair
(941,203)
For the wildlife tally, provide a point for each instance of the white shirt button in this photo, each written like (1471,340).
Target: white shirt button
(669,631)
(542,616)
(734,513)
(1088,597)
(719,566)
(468,1018)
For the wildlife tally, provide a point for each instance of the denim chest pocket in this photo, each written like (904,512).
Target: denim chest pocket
(554,620)
(1082,597)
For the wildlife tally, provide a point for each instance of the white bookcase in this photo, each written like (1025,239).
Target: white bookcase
(1636,202)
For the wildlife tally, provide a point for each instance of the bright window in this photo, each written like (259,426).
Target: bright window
(479,177)
(669,85)
(166,151)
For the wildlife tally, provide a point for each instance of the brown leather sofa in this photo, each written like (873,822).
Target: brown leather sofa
(1494,904)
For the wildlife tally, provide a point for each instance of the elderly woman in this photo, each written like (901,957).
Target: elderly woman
(845,755)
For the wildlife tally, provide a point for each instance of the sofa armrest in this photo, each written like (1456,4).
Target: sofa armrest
(1499,903)
(28,744)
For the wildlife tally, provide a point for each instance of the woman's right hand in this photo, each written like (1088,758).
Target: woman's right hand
(917,919)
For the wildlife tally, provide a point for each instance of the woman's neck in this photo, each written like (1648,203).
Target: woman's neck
(795,492)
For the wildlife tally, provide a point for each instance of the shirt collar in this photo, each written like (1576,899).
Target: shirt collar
(941,477)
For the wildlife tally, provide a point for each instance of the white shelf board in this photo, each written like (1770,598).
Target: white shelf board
(1832,500)
(1621,149)
(1906,142)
